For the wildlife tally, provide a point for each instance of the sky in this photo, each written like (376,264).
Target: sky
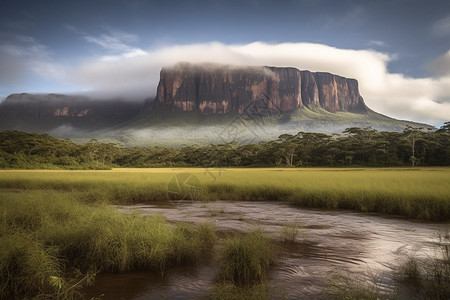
(398,50)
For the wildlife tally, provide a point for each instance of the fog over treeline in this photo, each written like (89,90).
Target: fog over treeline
(356,147)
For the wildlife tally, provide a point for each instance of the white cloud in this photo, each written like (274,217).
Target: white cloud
(117,42)
(441,66)
(129,54)
(423,99)
(134,73)
(441,27)
(121,72)
(25,53)
(376,43)
(131,72)
(420,99)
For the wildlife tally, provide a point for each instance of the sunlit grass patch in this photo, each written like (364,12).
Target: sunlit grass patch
(43,233)
(414,193)
(54,221)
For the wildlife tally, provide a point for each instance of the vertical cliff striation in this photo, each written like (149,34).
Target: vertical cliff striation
(220,89)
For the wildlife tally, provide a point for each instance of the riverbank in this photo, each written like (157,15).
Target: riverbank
(59,228)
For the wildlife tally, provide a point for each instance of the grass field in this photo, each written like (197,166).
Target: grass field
(51,243)
(54,223)
(415,193)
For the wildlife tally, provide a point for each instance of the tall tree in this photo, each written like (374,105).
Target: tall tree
(412,135)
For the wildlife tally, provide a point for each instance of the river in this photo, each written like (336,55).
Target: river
(363,246)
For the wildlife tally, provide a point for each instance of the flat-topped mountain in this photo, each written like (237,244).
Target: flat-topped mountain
(220,89)
(44,112)
(203,104)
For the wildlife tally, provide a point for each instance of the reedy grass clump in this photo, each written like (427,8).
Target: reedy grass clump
(344,287)
(244,260)
(416,278)
(290,231)
(43,233)
(26,266)
(428,278)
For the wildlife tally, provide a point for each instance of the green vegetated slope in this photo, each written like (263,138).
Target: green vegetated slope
(320,120)
(305,118)
(176,128)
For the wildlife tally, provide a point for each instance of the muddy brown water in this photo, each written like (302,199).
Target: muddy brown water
(360,245)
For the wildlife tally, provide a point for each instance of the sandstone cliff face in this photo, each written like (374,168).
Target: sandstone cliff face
(219,89)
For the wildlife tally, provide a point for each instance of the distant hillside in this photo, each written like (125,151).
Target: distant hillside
(63,114)
(178,128)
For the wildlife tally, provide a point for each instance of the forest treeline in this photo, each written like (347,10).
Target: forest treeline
(354,147)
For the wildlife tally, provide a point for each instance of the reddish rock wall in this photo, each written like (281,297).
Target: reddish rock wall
(220,89)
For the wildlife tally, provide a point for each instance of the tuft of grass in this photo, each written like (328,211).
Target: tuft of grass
(409,272)
(429,278)
(216,211)
(344,287)
(290,231)
(43,233)
(416,278)
(229,291)
(26,266)
(244,260)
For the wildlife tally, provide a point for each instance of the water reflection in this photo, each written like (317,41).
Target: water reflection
(363,245)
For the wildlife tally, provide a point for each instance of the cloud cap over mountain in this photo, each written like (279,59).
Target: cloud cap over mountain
(420,99)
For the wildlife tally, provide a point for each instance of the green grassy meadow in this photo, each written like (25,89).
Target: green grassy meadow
(52,243)
(419,193)
(57,228)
